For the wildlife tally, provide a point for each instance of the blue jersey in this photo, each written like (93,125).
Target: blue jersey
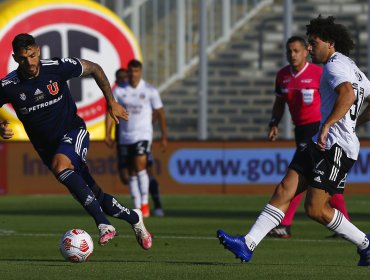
(44,104)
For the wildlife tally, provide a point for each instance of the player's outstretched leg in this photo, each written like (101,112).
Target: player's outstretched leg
(235,244)
(83,194)
(364,255)
(143,236)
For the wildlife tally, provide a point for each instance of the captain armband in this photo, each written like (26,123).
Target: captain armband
(274,122)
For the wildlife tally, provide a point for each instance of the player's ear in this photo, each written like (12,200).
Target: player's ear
(14,57)
(38,51)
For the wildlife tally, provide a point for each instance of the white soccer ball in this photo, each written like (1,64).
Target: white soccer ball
(76,245)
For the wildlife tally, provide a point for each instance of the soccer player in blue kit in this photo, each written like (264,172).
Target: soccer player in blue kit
(40,96)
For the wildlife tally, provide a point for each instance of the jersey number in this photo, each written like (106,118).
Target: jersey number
(355,108)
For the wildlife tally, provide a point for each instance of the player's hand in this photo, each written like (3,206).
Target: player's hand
(5,131)
(322,138)
(117,111)
(273,133)
(163,145)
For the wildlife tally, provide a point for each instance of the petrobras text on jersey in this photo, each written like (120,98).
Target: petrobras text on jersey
(25,111)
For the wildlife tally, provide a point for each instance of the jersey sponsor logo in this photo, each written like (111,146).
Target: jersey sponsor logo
(42,105)
(69,29)
(53,88)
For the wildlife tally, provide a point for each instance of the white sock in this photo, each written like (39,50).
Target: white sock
(133,186)
(269,218)
(144,186)
(347,230)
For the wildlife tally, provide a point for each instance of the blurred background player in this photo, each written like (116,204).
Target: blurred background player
(122,80)
(297,84)
(134,138)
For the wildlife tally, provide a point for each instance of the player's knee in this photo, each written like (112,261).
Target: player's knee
(61,163)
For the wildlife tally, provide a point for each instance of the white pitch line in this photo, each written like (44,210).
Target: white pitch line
(17,234)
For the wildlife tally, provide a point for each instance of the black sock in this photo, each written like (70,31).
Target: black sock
(154,192)
(112,207)
(80,190)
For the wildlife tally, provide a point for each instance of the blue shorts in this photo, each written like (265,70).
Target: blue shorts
(74,145)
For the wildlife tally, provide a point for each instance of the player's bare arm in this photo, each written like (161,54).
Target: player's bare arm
(108,131)
(346,98)
(277,114)
(365,115)
(161,116)
(114,109)
(5,131)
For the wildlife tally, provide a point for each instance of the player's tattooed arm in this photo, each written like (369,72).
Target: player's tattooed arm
(94,69)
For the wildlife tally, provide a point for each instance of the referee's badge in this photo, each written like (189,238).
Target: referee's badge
(307,95)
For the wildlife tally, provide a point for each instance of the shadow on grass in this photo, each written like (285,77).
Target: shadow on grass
(171,213)
(61,263)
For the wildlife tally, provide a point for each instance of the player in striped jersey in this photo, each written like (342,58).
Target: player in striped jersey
(40,96)
(297,84)
(322,166)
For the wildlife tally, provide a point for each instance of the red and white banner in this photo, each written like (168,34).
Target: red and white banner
(69,28)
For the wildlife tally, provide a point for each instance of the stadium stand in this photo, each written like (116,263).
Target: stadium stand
(242,72)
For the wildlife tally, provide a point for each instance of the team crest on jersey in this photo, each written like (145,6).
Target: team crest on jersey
(142,95)
(53,88)
(22,96)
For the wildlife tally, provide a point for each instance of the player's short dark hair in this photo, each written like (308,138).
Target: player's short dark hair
(134,63)
(23,41)
(120,70)
(329,31)
(296,38)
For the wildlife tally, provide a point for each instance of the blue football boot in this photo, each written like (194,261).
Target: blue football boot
(235,244)
(364,255)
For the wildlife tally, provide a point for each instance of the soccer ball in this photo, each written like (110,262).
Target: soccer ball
(76,245)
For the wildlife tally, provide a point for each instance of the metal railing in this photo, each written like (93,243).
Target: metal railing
(168,31)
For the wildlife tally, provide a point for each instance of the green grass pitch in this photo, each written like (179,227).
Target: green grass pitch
(184,246)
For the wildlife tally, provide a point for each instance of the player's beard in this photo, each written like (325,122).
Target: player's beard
(31,71)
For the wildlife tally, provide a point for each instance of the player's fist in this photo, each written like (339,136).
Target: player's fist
(5,131)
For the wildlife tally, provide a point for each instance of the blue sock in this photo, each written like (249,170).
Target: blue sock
(112,207)
(80,190)
(108,203)
(154,192)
